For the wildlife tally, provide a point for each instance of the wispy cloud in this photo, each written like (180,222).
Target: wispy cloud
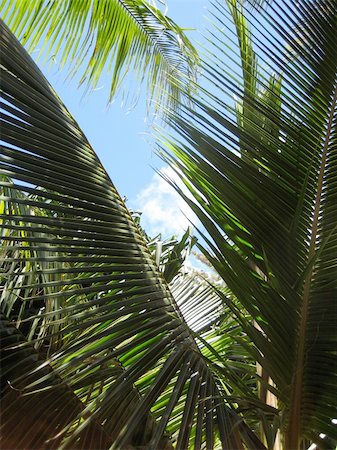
(163,210)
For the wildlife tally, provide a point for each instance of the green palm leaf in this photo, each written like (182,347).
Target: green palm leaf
(262,170)
(100,323)
(119,36)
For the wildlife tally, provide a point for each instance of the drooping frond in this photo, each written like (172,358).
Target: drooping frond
(92,339)
(258,153)
(94,36)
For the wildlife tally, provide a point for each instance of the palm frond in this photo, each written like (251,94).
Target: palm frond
(114,337)
(264,190)
(92,36)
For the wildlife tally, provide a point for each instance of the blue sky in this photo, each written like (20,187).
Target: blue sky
(121,135)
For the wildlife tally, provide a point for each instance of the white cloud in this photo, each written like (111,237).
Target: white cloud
(163,210)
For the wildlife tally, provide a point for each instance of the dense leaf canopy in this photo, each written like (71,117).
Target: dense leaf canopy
(103,345)
(95,351)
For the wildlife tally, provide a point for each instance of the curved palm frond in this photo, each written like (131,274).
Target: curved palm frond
(91,36)
(258,152)
(100,323)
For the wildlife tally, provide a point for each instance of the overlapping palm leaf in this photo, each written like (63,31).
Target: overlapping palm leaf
(258,153)
(92,362)
(93,37)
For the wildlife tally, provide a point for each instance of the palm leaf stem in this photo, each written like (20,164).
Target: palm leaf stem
(294,429)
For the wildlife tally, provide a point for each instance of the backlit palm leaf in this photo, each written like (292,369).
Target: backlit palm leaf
(119,35)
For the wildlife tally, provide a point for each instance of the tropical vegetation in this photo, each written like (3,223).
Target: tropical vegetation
(105,341)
